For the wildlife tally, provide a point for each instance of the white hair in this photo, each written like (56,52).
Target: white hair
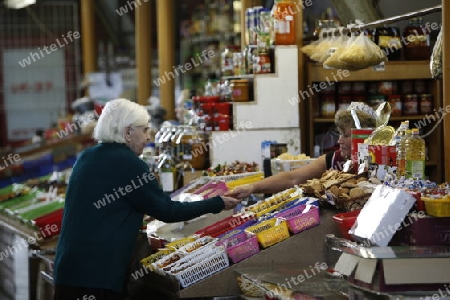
(115,117)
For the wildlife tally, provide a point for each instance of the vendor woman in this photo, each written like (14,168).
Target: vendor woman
(333,160)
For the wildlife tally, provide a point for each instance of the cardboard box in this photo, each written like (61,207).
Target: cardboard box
(397,269)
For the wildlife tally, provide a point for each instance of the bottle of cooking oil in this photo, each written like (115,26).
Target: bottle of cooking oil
(415,155)
(400,137)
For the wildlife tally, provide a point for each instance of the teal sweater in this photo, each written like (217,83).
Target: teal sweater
(106,199)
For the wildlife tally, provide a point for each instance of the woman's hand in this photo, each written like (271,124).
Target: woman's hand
(240,192)
(229,203)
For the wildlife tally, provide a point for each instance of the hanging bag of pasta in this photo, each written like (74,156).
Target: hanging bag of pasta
(338,40)
(362,53)
(323,46)
(310,48)
(436,58)
(333,60)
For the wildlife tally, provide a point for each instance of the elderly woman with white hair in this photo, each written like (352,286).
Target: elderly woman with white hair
(109,192)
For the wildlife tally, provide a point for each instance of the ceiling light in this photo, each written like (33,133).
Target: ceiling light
(18,4)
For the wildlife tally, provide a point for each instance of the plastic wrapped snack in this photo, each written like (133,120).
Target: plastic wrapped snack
(436,58)
(363,53)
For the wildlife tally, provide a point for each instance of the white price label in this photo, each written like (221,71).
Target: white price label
(379,67)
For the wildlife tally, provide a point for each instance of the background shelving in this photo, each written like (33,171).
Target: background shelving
(394,71)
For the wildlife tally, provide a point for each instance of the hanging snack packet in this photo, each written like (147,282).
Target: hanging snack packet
(436,58)
(363,53)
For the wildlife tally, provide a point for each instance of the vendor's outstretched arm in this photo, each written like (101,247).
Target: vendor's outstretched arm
(282,180)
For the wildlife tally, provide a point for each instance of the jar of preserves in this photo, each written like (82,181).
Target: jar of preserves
(344,87)
(358,88)
(407,87)
(240,90)
(387,87)
(284,22)
(410,105)
(330,89)
(417,40)
(420,86)
(426,104)
(227,60)
(389,40)
(395,101)
(327,106)
(372,87)
(261,63)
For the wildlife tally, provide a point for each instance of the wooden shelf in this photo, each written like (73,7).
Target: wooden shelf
(394,70)
(210,38)
(396,118)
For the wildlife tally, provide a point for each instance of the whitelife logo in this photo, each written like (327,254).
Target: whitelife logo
(53,47)
(12,159)
(21,243)
(187,66)
(131,4)
(147,177)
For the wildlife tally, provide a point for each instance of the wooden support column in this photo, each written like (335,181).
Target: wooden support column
(88,42)
(166,54)
(143,52)
(446,85)
(302,107)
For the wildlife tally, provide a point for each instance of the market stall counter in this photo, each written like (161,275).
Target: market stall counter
(302,249)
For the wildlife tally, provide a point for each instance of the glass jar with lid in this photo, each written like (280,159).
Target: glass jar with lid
(192,148)
(417,40)
(262,63)
(389,40)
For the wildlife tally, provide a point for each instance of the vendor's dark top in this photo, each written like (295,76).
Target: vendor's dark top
(105,202)
(335,160)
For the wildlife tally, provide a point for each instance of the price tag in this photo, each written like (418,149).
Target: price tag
(379,67)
